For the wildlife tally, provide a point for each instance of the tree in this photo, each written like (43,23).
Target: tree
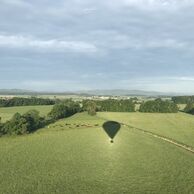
(58,112)
(34,121)
(21,124)
(189,108)
(1,126)
(31,120)
(91,108)
(17,125)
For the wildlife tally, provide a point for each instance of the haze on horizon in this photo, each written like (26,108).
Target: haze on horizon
(69,45)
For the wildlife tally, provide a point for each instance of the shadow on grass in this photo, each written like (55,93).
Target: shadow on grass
(111,128)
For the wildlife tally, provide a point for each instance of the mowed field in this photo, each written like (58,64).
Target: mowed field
(8,112)
(74,155)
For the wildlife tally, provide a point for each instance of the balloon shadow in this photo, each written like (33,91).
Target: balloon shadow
(111,128)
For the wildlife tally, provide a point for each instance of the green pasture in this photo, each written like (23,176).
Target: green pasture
(74,155)
(177,126)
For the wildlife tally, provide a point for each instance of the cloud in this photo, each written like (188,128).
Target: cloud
(152,5)
(16,3)
(187,79)
(163,43)
(116,40)
(53,45)
(93,42)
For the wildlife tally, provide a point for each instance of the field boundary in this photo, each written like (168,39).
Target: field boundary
(169,140)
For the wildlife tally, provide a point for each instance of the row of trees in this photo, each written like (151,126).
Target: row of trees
(183,99)
(159,106)
(17,101)
(110,105)
(31,121)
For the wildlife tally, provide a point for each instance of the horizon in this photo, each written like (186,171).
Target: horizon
(96,92)
(86,45)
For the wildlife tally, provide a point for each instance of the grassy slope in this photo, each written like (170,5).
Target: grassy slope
(67,159)
(178,126)
(7,113)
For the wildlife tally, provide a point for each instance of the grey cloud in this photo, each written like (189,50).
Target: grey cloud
(96,43)
(46,45)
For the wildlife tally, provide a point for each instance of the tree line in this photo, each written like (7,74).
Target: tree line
(31,120)
(110,105)
(159,106)
(183,99)
(32,101)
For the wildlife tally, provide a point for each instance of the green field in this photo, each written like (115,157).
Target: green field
(8,112)
(178,126)
(75,155)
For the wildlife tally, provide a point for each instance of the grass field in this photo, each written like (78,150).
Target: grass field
(8,112)
(75,155)
(178,126)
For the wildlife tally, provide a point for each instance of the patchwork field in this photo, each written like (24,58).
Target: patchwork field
(75,155)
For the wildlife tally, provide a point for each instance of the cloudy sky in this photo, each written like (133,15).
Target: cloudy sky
(68,45)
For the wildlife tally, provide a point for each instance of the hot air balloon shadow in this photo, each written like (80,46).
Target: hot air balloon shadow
(111,128)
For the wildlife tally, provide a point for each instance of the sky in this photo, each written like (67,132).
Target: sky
(70,45)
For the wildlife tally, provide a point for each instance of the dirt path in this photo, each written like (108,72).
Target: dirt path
(171,141)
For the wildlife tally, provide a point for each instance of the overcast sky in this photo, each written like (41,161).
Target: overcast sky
(68,45)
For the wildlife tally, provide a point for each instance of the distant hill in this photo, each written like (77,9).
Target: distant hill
(31,92)
(15,92)
(116,92)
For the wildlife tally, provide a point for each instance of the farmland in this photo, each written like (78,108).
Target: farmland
(74,155)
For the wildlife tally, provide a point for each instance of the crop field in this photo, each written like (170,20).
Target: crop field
(74,155)
(8,112)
